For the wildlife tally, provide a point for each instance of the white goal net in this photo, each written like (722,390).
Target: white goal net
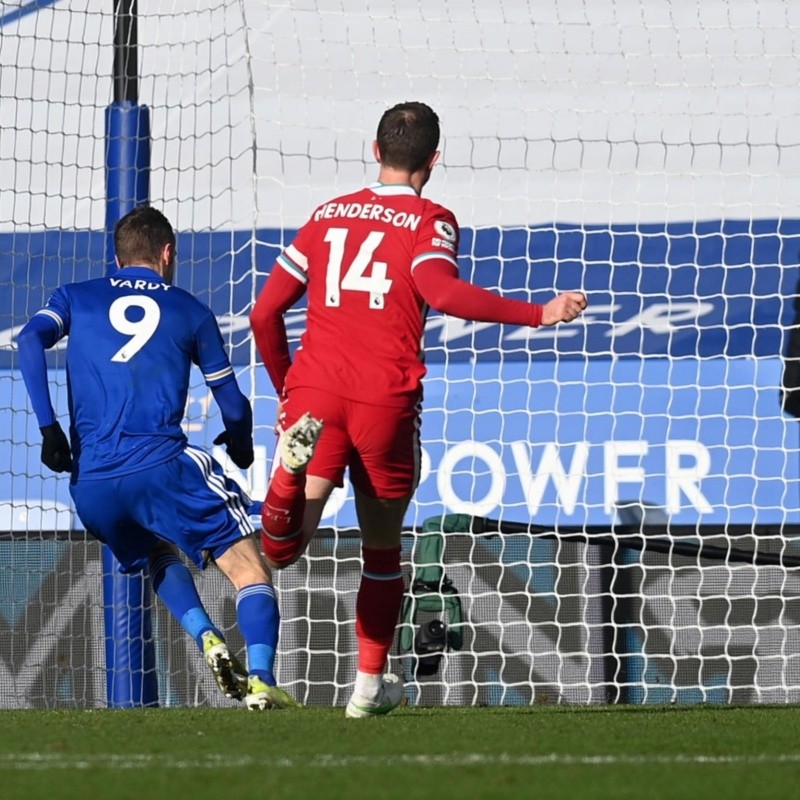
(647,154)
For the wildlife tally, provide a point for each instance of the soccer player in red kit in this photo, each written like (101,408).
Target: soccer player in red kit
(372,263)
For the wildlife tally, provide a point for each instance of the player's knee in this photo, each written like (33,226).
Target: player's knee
(162,548)
(279,565)
(282,551)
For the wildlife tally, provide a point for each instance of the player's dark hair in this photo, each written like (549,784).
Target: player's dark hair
(140,236)
(408,135)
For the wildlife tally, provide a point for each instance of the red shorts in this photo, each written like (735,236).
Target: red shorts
(379,444)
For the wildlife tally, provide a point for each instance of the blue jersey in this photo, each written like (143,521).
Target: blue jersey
(132,341)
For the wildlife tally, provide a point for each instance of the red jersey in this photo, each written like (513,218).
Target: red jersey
(372,262)
(356,256)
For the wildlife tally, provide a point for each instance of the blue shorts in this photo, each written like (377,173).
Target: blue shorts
(187,501)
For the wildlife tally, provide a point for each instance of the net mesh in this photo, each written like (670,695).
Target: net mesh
(647,154)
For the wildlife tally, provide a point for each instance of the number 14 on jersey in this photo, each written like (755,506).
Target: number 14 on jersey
(355,279)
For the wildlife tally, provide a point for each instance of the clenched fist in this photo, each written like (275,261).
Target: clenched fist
(563,308)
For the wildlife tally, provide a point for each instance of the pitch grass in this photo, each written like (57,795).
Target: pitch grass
(453,753)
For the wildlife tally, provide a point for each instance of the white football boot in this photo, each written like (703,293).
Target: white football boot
(298,441)
(389,697)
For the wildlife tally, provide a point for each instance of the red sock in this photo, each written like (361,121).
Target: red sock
(378,607)
(282,516)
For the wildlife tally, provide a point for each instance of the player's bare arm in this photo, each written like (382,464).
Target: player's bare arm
(564,308)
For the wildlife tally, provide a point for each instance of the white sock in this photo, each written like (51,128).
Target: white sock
(368,685)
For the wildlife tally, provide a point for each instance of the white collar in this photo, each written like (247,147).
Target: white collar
(388,189)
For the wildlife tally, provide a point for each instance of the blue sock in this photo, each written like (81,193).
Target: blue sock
(173,583)
(259,619)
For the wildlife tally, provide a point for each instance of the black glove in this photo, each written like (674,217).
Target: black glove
(241,456)
(55,449)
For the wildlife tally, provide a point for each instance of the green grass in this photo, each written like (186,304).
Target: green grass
(537,752)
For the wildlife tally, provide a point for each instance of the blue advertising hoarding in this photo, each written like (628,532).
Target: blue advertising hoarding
(665,393)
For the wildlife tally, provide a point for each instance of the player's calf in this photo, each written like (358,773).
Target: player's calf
(282,512)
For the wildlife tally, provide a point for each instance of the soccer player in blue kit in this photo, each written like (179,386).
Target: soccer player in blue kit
(137,485)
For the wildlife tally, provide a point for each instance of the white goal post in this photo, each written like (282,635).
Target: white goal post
(647,154)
